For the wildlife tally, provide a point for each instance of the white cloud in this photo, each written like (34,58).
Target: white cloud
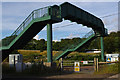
(73,36)
(36,37)
(56,40)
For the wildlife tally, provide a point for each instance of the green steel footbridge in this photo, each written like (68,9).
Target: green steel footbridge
(39,18)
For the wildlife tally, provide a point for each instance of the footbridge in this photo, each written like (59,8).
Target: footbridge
(39,18)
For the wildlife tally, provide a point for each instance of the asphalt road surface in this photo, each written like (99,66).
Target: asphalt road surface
(67,77)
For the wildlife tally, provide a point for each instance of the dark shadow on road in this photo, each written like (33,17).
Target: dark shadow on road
(59,79)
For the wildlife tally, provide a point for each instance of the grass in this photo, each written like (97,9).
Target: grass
(29,55)
(109,69)
(41,70)
(83,54)
(27,52)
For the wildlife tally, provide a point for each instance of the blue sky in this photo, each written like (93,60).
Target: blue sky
(14,13)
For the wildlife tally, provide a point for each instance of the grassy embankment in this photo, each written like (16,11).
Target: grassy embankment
(109,69)
(30,55)
(114,68)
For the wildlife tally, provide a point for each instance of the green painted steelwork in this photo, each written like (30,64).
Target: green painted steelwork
(33,24)
(75,14)
(49,42)
(44,18)
(25,29)
(39,18)
(32,18)
(102,48)
(75,48)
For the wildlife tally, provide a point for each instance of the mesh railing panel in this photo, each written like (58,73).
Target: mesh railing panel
(39,13)
(73,46)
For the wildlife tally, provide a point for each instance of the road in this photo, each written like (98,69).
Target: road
(86,73)
(73,76)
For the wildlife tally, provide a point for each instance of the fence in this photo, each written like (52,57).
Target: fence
(84,65)
(90,64)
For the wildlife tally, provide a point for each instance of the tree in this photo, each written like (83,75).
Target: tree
(113,34)
(40,45)
(56,46)
(111,43)
(109,46)
(6,41)
(31,45)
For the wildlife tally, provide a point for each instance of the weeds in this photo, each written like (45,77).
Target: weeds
(109,68)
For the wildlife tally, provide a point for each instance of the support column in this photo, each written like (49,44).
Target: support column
(102,49)
(49,43)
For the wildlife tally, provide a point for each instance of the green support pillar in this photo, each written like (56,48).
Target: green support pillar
(49,43)
(102,49)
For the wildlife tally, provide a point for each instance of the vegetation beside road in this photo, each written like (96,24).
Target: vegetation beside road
(36,55)
(109,69)
(35,52)
(34,70)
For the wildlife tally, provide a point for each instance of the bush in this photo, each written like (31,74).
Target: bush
(35,69)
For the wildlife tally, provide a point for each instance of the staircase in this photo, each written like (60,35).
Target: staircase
(32,25)
(88,37)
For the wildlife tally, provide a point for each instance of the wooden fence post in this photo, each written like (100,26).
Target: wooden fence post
(61,63)
(96,64)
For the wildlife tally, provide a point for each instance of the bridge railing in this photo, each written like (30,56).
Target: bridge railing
(88,34)
(83,38)
(74,45)
(42,12)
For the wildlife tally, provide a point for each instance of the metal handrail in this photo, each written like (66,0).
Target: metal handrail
(88,34)
(38,13)
(85,36)
(74,45)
